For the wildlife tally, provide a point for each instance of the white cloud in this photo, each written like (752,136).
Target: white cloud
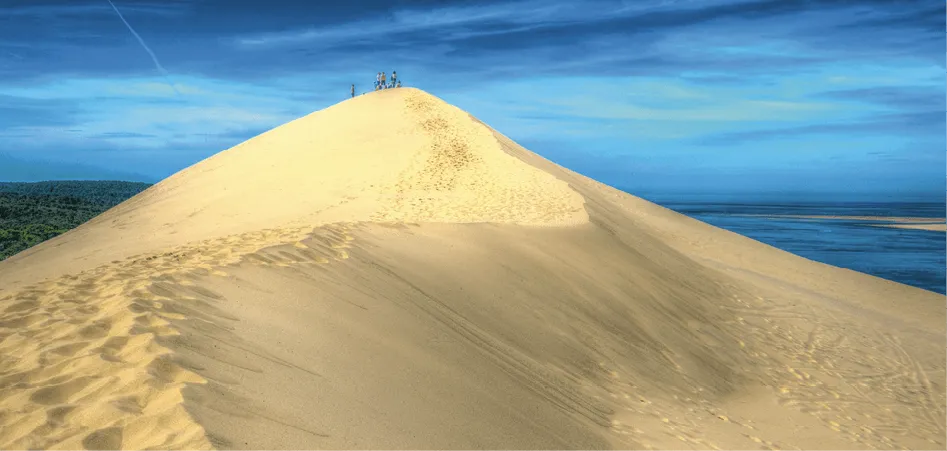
(145,113)
(519,15)
(642,99)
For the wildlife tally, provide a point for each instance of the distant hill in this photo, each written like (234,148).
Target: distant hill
(31,213)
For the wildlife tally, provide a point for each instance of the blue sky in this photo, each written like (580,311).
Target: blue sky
(774,97)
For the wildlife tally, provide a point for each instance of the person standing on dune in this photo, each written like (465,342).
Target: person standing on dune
(383,80)
(353,90)
(394,78)
(377,80)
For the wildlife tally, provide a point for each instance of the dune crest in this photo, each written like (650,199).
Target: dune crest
(419,160)
(392,273)
(464,176)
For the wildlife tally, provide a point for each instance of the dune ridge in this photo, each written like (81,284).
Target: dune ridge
(425,282)
(82,359)
(108,318)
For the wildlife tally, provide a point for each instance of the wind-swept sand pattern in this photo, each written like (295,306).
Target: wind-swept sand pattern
(428,283)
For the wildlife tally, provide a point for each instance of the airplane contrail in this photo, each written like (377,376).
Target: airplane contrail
(147,49)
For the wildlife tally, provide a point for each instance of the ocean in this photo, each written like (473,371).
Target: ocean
(911,257)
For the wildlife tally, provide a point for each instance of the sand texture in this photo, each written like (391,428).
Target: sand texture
(425,282)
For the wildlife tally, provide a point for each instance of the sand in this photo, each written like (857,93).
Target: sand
(853,218)
(937,227)
(425,282)
(931,224)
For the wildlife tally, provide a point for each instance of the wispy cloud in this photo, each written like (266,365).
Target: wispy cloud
(121,135)
(905,125)
(898,97)
(78,9)
(24,112)
(468,21)
(135,115)
(610,81)
(144,45)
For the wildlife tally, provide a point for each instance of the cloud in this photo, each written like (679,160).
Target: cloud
(144,45)
(492,39)
(75,9)
(138,122)
(928,16)
(706,41)
(57,39)
(604,80)
(899,97)
(125,135)
(907,125)
(19,112)
(445,22)
(143,128)
(528,23)
(528,20)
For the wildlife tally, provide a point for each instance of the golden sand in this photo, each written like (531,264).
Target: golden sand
(425,282)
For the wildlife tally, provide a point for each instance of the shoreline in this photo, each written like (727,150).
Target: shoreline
(933,227)
(850,218)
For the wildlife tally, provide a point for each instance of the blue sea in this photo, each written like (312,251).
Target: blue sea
(911,257)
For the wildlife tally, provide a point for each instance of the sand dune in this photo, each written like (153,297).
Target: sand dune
(424,282)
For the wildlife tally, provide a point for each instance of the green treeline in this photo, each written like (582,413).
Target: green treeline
(31,213)
(97,192)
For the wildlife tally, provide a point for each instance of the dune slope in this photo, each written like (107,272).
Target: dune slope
(425,282)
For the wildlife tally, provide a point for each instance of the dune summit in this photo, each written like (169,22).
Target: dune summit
(425,282)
